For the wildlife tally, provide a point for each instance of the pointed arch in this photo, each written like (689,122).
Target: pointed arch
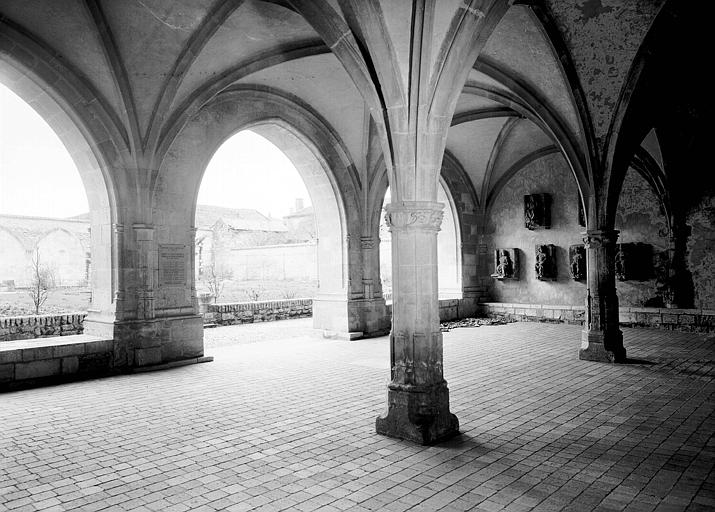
(91,132)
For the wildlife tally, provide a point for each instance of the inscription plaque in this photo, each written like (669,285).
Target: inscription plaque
(172,265)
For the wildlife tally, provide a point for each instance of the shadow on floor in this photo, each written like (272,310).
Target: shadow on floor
(639,361)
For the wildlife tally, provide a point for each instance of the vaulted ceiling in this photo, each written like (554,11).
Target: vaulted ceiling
(152,61)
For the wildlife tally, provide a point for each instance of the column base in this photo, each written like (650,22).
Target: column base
(593,347)
(418,413)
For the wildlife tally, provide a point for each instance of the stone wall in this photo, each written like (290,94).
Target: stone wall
(41,326)
(250,312)
(702,320)
(505,229)
(274,262)
(700,256)
(451,309)
(64,246)
(639,219)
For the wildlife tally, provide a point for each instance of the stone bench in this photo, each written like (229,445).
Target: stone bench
(29,362)
(702,320)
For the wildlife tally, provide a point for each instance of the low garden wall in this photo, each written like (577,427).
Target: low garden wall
(41,326)
(250,312)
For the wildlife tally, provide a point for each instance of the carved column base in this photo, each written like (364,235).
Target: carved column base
(418,413)
(593,347)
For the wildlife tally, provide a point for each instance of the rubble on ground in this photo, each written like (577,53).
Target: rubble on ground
(474,322)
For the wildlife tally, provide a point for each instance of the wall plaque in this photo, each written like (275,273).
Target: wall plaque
(172,265)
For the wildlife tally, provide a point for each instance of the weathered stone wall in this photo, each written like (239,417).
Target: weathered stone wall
(640,218)
(603,38)
(451,309)
(294,261)
(41,326)
(64,246)
(505,229)
(250,312)
(701,253)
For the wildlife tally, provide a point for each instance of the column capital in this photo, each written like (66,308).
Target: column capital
(594,238)
(414,215)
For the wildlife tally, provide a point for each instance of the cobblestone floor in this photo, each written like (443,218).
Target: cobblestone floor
(284,420)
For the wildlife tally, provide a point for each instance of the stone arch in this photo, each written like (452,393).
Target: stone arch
(634,115)
(321,159)
(13,258)
(94,138)
(460,208)
(65,255)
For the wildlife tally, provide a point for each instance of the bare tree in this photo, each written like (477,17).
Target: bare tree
(42,280)
(255,294)
(216,279)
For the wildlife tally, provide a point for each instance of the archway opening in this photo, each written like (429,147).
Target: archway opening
(449,255)
(45,241)
(256,234)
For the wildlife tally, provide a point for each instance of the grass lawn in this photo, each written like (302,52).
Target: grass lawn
(72,300)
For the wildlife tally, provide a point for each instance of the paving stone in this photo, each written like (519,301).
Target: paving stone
(284,420)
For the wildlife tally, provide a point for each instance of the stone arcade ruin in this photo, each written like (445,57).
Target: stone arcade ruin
(500,100)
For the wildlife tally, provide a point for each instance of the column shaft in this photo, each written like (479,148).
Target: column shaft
(418,397)
(601,339)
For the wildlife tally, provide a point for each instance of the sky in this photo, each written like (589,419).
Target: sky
(39,178)
(248,171)
(37,175)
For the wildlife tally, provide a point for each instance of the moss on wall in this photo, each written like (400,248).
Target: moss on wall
(640,218)
(700,257)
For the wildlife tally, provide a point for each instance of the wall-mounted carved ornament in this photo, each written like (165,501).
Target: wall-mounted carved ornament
(506,264)
(545,262)
(577,262)
(414,215)
(537,211)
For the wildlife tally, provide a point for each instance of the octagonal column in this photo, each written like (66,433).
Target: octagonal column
(418,398)
(601,338)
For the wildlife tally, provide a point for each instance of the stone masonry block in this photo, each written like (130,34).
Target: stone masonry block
(10,356)
(654,319)
(7,372)
(37,353)
(70,365)
(670,319)
(686,319)
(147,356)
(37,369)
(74,349)
(99,347)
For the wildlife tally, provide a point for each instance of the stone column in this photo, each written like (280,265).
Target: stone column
(373,313)
(418,398)
(601,338)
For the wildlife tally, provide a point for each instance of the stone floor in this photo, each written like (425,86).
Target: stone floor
(284,420)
